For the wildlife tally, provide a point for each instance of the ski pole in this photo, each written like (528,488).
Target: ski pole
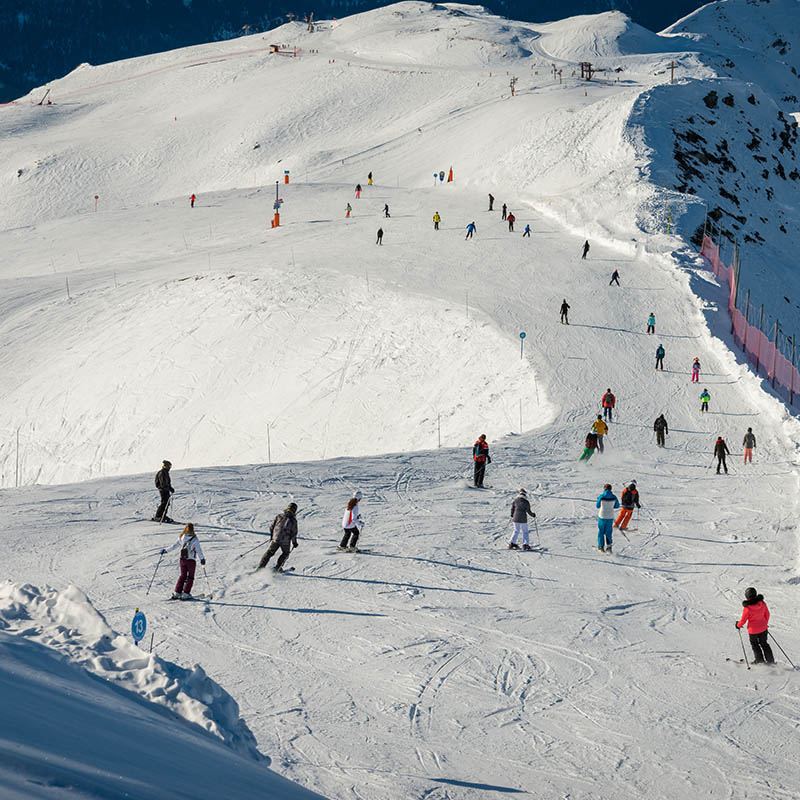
(154,573)
(208,583)
(166,508)
(744,652)
(623,533)
(536,528)
(260,544)
(781,649)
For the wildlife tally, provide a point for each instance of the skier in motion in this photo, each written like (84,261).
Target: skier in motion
(607,502)
(589,446)
(348,208)
(651,323)
(481,457)
(520,511)
(511,220)
(386,210)
(614,278)
(629,499)
(749,445)
(190,552)
(565,312)
(585,249)
(660,353)
(601,429)
(192,199)
(696,371)
(720,451)
(705,399)
(527,232)
(662,429)
(164,486)
(756,614)
(608,401)
(470,230)
(505,210)
(352,523)
(284,537)
(358,191)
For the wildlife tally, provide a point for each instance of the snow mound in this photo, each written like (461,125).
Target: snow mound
(67,622)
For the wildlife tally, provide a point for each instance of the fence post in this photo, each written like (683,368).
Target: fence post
(775,353)
(791,380)
(746,322)
(760,331)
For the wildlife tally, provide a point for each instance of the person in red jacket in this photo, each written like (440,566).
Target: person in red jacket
(756,615)
(192,199)
(608,401)
(480,455)
(511,220)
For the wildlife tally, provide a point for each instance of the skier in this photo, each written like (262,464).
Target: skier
(720,451)
(520,510)
(661,428)
(511,219)
(358,190)
(470,230)
(192,199)
(379,240)
(607,502)
(585,249)
(505,210)
(164,486)
(190,552)
(284,537)
(352,524)
(348,208)
(369,179)
(565,312)
(589,446)
(756,614)
(601,429)
(614,278)
(651,323)
(749,445)
(527,232)
(436,220)
(696,371)
(660,353)
(386,210)
(705,397)
(480,455)
(608,401)
(630,498)
(491,202)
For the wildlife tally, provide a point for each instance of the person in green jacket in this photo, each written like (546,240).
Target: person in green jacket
(705,398)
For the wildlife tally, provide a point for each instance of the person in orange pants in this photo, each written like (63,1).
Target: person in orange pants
(629,499)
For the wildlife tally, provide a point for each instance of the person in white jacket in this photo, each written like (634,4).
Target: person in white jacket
(190,552)
(352,524)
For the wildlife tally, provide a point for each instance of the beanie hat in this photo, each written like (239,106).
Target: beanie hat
(750,593)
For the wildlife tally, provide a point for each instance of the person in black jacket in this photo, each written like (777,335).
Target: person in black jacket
(565,312)
(660,353)
(720,451)
(284,537)
(662,429)
(481,457)
(164,486)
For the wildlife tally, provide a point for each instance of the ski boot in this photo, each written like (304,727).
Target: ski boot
(513,546)
(186,596)
(608,549)
(601,549)
(176,596)
(527,547)
(353,549)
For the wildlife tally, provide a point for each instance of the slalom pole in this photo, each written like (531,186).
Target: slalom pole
(781,649)
(744,652)
(208,584)
(260,544)
(154,573)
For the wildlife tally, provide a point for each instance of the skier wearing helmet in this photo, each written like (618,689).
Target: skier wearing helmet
(284,537)
(164,486)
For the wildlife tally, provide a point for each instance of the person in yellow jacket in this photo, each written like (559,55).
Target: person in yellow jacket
(601,429)
(436,220)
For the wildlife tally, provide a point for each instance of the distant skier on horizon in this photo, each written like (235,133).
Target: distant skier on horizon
(369,179)
(527,232)
(379,240)
(505,210)
(565,312)
(348,208)
(491,202)
(192,199)
(436,220)
(585,249)
(386,210)
(511,220)
(614,278)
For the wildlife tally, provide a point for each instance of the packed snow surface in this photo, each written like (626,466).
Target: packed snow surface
(436,664)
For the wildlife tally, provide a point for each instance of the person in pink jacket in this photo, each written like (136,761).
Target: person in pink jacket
(756,615)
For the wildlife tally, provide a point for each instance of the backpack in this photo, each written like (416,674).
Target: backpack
(186,551)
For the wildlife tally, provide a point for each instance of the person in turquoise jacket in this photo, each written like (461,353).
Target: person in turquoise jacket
(705,399)
(607,502)
(651,323)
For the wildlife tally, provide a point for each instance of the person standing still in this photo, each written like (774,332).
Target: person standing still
(481,457)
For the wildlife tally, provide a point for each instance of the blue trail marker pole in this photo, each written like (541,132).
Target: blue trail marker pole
(521,342)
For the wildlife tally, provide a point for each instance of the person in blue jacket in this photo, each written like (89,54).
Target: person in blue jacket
(607,502)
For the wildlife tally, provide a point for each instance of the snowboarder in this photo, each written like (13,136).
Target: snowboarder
(696,371)
(505,210)
(589,446)
(601,429)
(164,486)
(565,312)
(756,614)
(358,190)
(481,457)
(190,552)
(629,499)
(369,179)
(720,451)
(607,503)
(705,398)
(386,210)
(192,199)
(351,524)
(527,232)
(436,220)
(651,323)
(284,537)
(491,202)
(585,249)
(520,511)
(379,240)
(511,219)
(661,428)
(749,445)
(348,208)
(660,353)
(608,401)
(470,230)
(614,278)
